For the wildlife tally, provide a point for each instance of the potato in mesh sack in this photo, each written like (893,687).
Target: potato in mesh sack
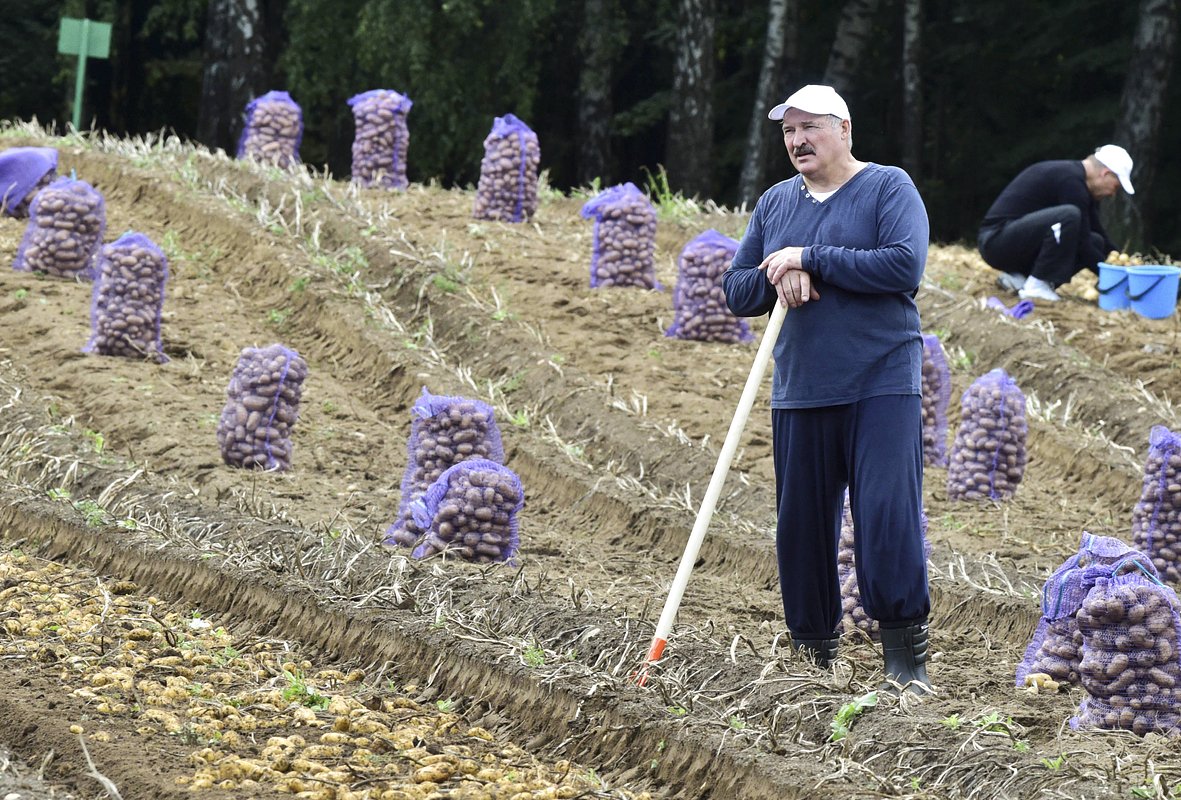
(507,191)
(1156,519)
(24,171)
(1056,647)
(273,130)
(444,432)
(1130,667)
(128,299)
(382,138)
(262,407)
(700,312)
(624,239)
(853,613)
(67,220)
(987,459)
(471,510)
(936,396)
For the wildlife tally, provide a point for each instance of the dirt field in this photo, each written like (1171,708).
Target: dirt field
(112,465)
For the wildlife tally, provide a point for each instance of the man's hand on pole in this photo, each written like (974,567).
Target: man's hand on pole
(785,271)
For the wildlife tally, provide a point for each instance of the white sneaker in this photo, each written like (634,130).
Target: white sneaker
(1011,281)
(1037,289)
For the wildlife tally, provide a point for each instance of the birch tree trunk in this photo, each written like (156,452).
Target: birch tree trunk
(1146,83)
(688,153)
(912,88)
(598,49)
(235,71)
(853,31)
(762,134)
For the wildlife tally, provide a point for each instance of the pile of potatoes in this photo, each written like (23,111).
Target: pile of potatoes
(24,171)
(936,390)
(128,298)
(262,407)
(274,129)
(624,246)
(1156,519)
(988,456)
(1056,647)
(507,191)
(66,225)
(1130,667)
(444,432)
(382,138)
(471,511)
(700,312)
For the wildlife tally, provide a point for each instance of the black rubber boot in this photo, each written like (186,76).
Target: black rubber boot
(905,653)
(820,652)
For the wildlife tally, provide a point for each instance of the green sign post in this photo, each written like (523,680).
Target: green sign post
(85,38)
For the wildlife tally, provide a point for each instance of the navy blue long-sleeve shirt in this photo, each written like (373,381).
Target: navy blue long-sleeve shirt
(865,248)
(1047,184)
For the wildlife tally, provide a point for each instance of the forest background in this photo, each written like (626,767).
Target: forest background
(961,93)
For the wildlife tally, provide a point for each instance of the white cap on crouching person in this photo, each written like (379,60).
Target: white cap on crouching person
(817,98)
(1116,159)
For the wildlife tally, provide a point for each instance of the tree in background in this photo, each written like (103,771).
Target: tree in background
(28,43)
(1146,84)
(853,33)
(761,136)
(688,155)
(598,47)
(241,42)
(912,88)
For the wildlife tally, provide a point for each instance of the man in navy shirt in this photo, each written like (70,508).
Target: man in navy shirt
(1044,227)
(843,244)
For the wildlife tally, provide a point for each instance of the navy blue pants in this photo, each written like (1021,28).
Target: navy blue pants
(875,448)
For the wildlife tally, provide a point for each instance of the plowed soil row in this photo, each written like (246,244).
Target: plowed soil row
(613,429)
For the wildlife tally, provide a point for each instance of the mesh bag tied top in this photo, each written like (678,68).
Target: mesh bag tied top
(624,239)
(1156,519)
(507,191)
(936,390)
(273,130)
(262,407)
(1130,667)
(471,510)
(128,299)
(23,172)
(1056,647)
(988,456)
(382,138)
(700,312)
(67,220)
(444,431)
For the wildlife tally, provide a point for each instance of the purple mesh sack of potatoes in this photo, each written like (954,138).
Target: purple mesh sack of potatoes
(67,220)
(262,407)
(936,397)
(24,171)
(623,252)
(382,138)
(128,299)
(988,456)
(273,130)
(1156,519)
(1130,667)
(1056,647)
(445,431)
(507,191)
(471,510)
(853,613)
(700,312)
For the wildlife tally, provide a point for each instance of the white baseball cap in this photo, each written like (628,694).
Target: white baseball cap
(1116,159)
(816,98)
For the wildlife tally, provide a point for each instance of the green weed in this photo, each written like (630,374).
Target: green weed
(59,494)
(534,656)
(445,705)
(1054,764)
(298,691)
(278,317)
(96,439)
(300,284)
(93,514)
(843,720)
(952,722)
(20,294)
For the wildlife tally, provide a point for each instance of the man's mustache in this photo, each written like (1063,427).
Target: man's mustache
(803,150)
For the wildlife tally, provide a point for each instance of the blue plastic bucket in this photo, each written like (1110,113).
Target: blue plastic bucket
(1153,290)
(1113,287)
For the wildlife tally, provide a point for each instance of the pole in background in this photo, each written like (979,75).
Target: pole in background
(85,38)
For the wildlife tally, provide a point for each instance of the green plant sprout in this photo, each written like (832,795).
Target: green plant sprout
(277,317)
(96,439)
(1054,764)
(300,284)
(20,294)
(445,705)
(951,722)
(678,711)
(737,723)
(843,720)
(534,656)
(300,692)
(59,494)
(92,512)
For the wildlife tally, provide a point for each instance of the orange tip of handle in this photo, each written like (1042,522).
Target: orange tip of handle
(641,676)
